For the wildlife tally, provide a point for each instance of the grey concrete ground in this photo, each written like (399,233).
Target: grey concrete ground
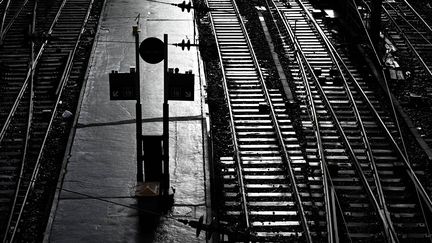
(102,158)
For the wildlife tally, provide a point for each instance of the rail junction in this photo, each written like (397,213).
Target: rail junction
(326,141)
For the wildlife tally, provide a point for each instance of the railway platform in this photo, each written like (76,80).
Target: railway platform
(95,201)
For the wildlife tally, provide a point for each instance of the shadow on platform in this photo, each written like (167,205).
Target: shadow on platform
(151,210)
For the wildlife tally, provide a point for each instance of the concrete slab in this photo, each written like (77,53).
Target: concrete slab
(102,159)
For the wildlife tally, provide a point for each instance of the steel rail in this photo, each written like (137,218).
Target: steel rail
(36,168)
(4,30)
(15,106)
(61,88)
(402,16)
(419,187)
(383,75)
(315,78)
(331,218)
(28,134)
(410,171)
(3,19)
(330,215)
(237,159)
(395,145)
(350,150)
(420,192)
(366,32)
(410,45)
(275,123)
(391,234)
(408,22)
(26,81)
(418,15)
(288,160)
(411,174)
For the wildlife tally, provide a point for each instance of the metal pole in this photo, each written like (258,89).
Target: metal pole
(138,108)
(166,177)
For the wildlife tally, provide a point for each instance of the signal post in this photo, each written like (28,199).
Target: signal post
(153,51)
(154,184)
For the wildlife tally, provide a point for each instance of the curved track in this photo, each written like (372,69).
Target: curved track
(410,32)
(37,70)
(369,174)
(352,181)
(408,59)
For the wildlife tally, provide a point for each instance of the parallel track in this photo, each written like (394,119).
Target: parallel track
(370,175)
(266,182)
(408,59)
(410,32)
(33,97)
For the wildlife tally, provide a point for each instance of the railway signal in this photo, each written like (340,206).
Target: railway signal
(200,8)
(185,44)
(184,6)
(177,86)
(189,6)
(152,50)
(126,86)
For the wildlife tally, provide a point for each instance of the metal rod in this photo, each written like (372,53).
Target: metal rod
(138,108)
(166,177)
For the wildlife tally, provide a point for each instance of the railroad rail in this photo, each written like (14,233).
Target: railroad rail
(354,137)
(9,11)
(410,30)
(265,182)
(33,93)
(408,60)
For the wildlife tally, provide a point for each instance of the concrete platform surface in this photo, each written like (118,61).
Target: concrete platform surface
(102,159)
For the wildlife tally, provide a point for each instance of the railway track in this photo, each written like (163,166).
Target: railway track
(408,59)
(375,192)
(412,37)
(353,182)
(410,33)
(265,183)
(37,72)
